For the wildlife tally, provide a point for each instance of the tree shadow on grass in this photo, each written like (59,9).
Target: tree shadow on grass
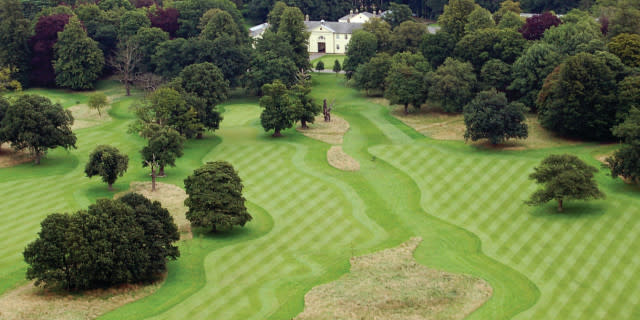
(202,232)
(571,210)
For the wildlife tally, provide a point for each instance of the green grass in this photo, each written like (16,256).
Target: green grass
(465,202)
(329,60)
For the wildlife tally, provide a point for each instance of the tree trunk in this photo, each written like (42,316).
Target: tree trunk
(110,186)
(37,157)
(303,124)
(153,179)
(161,173)
(277,133)
(559,205)
(213,228)
(199,136)
(127,87)
(406,109)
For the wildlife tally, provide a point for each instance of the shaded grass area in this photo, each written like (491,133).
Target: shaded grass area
(329,60)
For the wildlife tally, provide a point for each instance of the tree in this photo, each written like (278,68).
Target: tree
(337,67)
(7,82)
(215,197)
(564,177)
(148,40)
(4,106)
(405,80)
(306,108)
(35,123)
(483,45)
(293,31)
(107,162)
(279,108)
(362,47)
(131,22)
(221,24)
(507,7)
(382,30)
(41,45)
(511,20)
(531,69)
(79,60)
(456,16)
(397,14)
(437,47)
(126,61)
(206,81)
(452,84)
(98,101)
(166,107)
(535,26)
(371,75)
(165,19)
(495,74)
(479,18)
(490,116)
(268,67)
(626,19)
(14,33)
(625,161)
(320,65)
(165,145)
(192,10)
(627,48)
(571,38)
(579,98)
(407,36)
(275,15)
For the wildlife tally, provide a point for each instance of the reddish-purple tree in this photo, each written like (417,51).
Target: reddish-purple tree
(144,3)
(604,24)
(41,44)
(535,26)
(165,19)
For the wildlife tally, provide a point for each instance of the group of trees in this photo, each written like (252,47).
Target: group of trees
(574,71)
(127,240)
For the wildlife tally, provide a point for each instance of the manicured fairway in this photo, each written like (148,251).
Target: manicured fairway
(309,218)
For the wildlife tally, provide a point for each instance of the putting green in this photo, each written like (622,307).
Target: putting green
(309,218)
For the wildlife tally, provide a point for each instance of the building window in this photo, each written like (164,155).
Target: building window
(346,36)
(321,38)
(337,46)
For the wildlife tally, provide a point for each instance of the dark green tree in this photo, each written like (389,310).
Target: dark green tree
(306,108)
(166,107)
(564,177)
(456,16)
(337,67)
(79,60)
(398,13)
(407,36)
(511,20)
(320,65)
(627,48)
(382,30)
(479,18)
(483,45)
(293,31)
(579,99)
(271,62)
(35,123)
(192,10)
(437,47)
(275,15)
(625,161)
(215,197)
(279,108)
(531,69)
(490,116)
(404,85)
(148,40)
(495,74)
(571,38)
(14,33)
(221,24)
(626,18)
(131,22)
(371,75)
(206,81)
(362,47)
(107,162)
(452,85)
(165,145)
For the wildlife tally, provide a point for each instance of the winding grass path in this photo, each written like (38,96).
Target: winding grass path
(309,218)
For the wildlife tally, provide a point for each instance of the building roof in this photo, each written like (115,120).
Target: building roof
(337,27)
(258,30)
(351,15)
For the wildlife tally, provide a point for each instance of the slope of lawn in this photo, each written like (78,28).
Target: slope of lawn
(329,60)
(310,218)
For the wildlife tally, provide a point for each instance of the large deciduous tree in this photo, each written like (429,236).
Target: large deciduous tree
(535,26)
(625,162)
(437,47)
(531,69)
(571,38)
(627,48)
(362,47)
(107,162)
(456,16)
(407,36)
(35,123)
(564,177)
(41,45)
(126,61)
(165,19)
(279,108)
(215,198)
(14,33)
(486,44)
(579,99)
(382,30)
(79,60)
(479,18)
(404,83)
(451,85)
(165,145)
(293,31)
(397,14)
(490,116)
(371,75)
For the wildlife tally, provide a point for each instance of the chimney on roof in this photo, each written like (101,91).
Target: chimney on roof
(351,12)
(306,17)
(322,22)
(356,10)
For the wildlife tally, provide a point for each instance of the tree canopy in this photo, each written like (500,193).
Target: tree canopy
(452,84)
(79,60)
(107,162)
(490,116)
(279,108)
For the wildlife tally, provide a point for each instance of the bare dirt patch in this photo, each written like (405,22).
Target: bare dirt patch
(340,160)
(446,126)
(171,197)
(30,302)
(10,157)
(390,284)
(330,132)
(85,117)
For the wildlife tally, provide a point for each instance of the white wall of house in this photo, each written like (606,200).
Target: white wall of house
(355,18)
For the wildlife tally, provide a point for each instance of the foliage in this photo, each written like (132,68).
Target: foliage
(407,36)
(35,123)
(41,45)
(270,62)
(479,18)
(275,15)
(627,48)
(221,24)
(166,107)
(559,6)
(215,197)
(535,26)
(165,145)
(490,116)
(166,19)
(293,31)
(320,66)
(336,66)
(148,40)
(626,19)
(306,108)
(206,81)
(362,47)
(506,7)
(404,85)
(192,10)
(625,161)
(511,20)
(116,241)
(480,46)
(131,22)
(456,16)
(14,32)
(107,162)
(398,13)
(7,82)
(79,60)
(98,101)
(531,69)
(579,98)
(279,108)
(381,29)
(564,177)
(629,91)
(452,84)
(571,38)
(437,47)
(371,75)
(495,74)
